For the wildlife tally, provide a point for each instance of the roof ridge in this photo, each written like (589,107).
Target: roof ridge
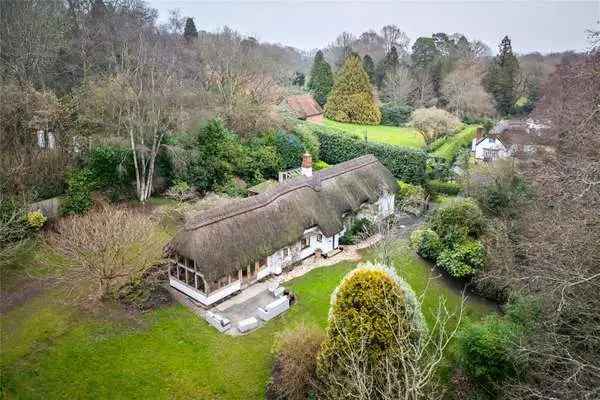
(264,199)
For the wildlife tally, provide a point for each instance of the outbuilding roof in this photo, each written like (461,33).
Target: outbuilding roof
(230,237)
(303,106)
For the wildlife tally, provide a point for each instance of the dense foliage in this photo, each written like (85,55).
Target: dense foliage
(395,113)
(360,229)
(502,78)
(351,99)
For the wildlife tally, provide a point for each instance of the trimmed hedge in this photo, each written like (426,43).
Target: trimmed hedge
(436,186)
(408,165)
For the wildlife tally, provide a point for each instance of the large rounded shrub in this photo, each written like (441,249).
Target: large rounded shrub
(463,260)
(428,244)
(487,353)
(373,313)
(457,215)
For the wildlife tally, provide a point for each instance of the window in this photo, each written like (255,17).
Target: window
(286,252)
(319,238)
(305,243)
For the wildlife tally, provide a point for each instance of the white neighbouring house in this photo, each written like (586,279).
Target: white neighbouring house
(225,249)
(512,138)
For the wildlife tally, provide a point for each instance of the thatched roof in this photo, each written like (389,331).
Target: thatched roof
(303,106)
(227,238)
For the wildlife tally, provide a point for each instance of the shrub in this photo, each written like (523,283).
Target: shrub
(290,149)
(110,166)
(486,351)
(463,260)
(433,122)
(319,165)
(79,193)
(373,316)
(232,187)
(457,216)
(294,370)
(359,229)
(455,144)
(351,99)
(395,114)
(309,140)
(429,244)
(408,165)
(35,219)
(437,143)
(436,186)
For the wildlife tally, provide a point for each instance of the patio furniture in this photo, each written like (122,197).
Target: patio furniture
(273,309)
(247,324)
(221,323)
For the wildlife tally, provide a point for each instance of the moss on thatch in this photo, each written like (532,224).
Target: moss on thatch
(231,237)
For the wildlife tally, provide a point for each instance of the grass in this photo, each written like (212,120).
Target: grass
(399,136)
(54,350)
(460,140)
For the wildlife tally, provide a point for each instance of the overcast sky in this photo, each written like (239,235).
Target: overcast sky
(543,26)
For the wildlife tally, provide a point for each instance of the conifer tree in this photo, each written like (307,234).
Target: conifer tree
(321,79)
(369,67)
(388,65)
(190,32)
(351,99)
(502,76)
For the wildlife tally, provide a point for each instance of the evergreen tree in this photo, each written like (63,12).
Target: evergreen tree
(298,79)
(190,32)
(321,79)
(388,65)
(351,99)
(369,67)
(502,76)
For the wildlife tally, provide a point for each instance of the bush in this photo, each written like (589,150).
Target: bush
(110,166)
(232,187)
(395,114)
(486,351)
(436,186)
(80,183)
(319,165)
(309,140)
(437,143)
(13,223)
(427,244)
(373,316)
(434,122)
(359,229)
(463,260)
(294,370)
(35,219)
(290,149)
(456,217)
(455,144)
(408,165)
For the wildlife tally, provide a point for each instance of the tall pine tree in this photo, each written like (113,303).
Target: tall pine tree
(501,80)
(321,79)
(388,65)
(369,67)
(351,99)
(190,32)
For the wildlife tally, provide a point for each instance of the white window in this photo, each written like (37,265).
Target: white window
(286,252)
(319,238)
(305,243)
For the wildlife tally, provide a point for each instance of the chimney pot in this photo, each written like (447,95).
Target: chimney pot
(307,164)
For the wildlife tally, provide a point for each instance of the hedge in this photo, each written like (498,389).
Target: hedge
(408,165)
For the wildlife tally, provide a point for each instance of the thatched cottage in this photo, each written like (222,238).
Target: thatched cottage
(227,248)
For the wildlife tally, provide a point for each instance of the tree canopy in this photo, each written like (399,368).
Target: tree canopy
(502,77)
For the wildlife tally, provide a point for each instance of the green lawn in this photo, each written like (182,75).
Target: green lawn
(52,350)
(399,136)
(462,139)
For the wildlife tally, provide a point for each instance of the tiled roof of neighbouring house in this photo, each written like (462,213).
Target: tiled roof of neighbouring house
(303,106)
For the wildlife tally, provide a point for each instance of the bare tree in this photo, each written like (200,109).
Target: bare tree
(106,248)
(464,92)
(393,36)
(399,85)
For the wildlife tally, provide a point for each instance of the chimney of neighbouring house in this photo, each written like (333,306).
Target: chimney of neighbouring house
(307,164)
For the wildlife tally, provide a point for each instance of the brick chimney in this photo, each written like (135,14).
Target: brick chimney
(307,165)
